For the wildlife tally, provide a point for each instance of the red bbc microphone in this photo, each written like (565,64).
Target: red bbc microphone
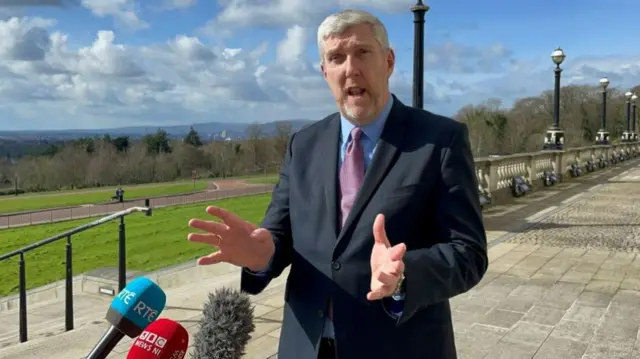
(162,339)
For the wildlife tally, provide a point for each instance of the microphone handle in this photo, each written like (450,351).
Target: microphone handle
(106,344)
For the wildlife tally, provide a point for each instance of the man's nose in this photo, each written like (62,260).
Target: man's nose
(353,66)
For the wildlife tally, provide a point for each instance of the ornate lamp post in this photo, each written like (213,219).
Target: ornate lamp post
(418,10)
(554,139)
(626,135)
(602,138)
(634,134)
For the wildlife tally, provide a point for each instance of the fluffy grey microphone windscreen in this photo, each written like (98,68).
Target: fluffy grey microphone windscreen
(225,328)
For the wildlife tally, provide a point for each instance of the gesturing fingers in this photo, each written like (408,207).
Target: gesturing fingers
(227,217)
(397,252)
(379,291)
(389,273)
(386,279)
(206,238)
(213,258)
(379,232)
(393,268)
(208,226)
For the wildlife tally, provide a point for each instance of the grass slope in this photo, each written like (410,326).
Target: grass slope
(272,179)
(152,242)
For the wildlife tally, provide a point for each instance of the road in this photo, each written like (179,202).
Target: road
(225,189)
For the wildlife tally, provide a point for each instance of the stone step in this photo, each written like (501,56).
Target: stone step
(46,305)
(48,319)
(184,305)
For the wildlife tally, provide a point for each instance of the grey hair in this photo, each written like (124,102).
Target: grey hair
(336,24)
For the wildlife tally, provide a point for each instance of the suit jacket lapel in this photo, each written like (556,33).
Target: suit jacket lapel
(385,155)
(330,171)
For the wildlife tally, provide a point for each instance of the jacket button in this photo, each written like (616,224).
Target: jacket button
(336,265)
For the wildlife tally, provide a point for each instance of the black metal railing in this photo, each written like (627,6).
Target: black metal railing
(122,264)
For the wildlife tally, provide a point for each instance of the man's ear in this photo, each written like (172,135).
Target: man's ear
(391,61)
(324,73)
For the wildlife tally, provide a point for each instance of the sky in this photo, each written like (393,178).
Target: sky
(86,64)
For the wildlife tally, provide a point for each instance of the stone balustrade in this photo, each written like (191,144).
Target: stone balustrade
(495,174)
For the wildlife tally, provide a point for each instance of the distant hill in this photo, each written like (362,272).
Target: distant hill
(207,131)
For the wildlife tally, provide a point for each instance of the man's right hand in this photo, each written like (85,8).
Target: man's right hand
(239,242)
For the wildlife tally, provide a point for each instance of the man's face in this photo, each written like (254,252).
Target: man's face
(357,70)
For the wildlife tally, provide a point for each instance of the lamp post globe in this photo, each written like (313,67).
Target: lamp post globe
(558,56)
(626,135)
(554,138)
(602,137)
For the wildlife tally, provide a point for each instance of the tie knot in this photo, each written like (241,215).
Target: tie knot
(356,133)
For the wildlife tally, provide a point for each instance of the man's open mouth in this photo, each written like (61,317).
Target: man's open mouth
(356,91)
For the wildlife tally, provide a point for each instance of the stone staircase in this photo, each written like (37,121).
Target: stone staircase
(187,288)
(47,319)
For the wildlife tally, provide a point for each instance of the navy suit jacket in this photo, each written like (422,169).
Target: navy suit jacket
(422,178)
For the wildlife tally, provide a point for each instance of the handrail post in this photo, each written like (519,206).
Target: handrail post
(122,256)
(68,312)
(23,299)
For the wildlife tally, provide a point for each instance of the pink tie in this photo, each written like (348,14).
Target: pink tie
(351,178)
(351,174)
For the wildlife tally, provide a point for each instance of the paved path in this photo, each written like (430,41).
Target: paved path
(225,189)
(567,287)
(563,282)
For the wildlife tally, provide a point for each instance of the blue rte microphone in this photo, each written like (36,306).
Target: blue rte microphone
(131,311)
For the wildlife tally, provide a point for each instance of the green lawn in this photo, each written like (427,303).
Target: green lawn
(270,179)
(152,242)
(33,202)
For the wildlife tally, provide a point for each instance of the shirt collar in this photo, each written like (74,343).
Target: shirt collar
(372,130)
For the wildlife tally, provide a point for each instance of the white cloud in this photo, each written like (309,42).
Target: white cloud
(181,81)
(238,14)
(112,84)
(124,11)
(45,82)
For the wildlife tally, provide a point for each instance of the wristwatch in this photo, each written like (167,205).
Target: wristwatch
(400,287)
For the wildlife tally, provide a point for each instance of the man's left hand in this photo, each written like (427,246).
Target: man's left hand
(387,265)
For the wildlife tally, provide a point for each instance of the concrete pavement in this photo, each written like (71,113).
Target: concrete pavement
(563,281)
(566,287)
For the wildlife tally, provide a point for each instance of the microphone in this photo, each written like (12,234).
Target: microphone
(163,339)
(131,311)
(226,326)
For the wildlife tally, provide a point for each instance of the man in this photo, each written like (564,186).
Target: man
(376,211)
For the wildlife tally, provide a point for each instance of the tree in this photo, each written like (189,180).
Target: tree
(284,129)
(192,138)
(121,143)
(158,142)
